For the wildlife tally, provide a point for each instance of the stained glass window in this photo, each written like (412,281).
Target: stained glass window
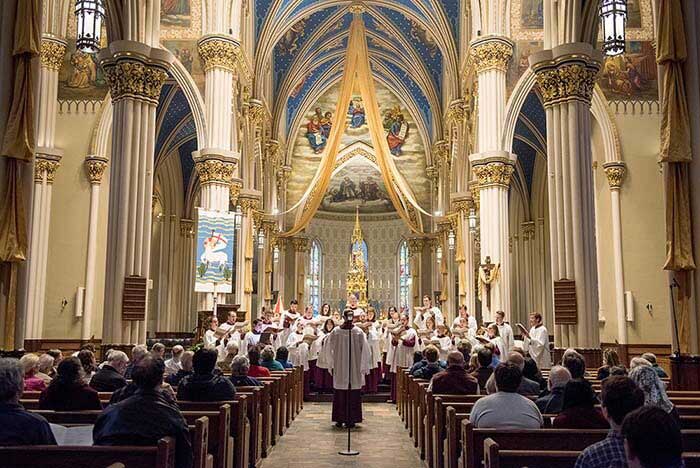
(404,276)
(315,276)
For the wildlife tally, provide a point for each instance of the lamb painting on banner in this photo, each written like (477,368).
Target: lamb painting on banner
(215,247)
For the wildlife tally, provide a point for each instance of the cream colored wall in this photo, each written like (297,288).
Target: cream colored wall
(68,231)
(642,207)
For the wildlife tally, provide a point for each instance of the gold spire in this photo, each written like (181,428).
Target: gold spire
(357,232)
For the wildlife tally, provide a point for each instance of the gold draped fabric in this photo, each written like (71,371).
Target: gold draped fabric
(301,275)
(460,260)
(444,276)
(676,154)
(250,240)
(268,275)
(357,71)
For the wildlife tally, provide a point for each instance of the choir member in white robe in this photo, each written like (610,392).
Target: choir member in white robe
(252,338)
(349,367)
(405,347)
(298,349)
(323,379)
(210,339)
(287,322)
(505,331)
(392,322)
(536,342)
(471,323)
(445,343)
(422,313)
(495,338)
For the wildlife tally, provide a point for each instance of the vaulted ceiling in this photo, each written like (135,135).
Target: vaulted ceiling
(412,43)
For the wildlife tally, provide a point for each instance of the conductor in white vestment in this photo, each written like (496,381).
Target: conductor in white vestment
(348,374)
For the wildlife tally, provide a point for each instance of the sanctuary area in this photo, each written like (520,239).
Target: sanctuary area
(371,233)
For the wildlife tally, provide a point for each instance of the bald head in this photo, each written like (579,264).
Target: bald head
(558,376)
(455,358)
(517,359)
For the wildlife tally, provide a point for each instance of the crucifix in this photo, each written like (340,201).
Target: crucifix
(488,272)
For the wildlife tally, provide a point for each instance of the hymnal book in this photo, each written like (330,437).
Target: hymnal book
(240,325)
(271,329)
(434,342)
(72,435)
(223,330)
(460,332)
(482,339)
(308,339)
(522,327)
(425,333)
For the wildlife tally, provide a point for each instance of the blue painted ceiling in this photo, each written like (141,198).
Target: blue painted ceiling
(310,38)
(530,136)
(175,130)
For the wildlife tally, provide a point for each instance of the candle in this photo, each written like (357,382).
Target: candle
(388,284)
(380,283)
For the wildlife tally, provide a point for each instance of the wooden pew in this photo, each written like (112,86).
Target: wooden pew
(199,433)
(161,455)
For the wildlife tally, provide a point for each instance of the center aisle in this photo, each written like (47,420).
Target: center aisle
(313,441)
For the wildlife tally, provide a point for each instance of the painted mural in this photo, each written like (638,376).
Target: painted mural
(176,13)
(80,77)
(634,14)
(519,64)
(531,15)
(357,184)
(364,187)
(186,52)
(632,75)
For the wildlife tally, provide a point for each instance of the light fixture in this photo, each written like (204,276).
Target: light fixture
(613,16)
(438,253)
(451,239)
(472,220)
(89,14)
(437,213)
(275,211)
(275,254)
(261,239)
(237,217)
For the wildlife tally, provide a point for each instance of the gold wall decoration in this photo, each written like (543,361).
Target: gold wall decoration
(129,77)
(52,52)
(615,172)
(95,167)
(493,173)
(215,171)
(45,166)
(491,53)
(218,52)
(567,81)
(187,228)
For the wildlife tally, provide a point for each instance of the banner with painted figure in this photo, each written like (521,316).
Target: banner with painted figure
(215,251)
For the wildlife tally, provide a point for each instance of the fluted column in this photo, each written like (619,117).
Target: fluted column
(95,167)
(135,73)
(187,317)
(615,173)
(462,206)
(250,202)
(494,172)
(566,77)
(492,166)
(415,252)
(51,58)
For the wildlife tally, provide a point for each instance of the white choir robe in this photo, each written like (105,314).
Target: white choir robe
(210,340)
(373,339)
(346,372)
(315,348)
(298,350)
(324,355)
(284,333)
(538,347)
(506,333)
(386,339)
(403,355)
(250,340)
(497,341)
(420,319)
(445,346)
(471,325)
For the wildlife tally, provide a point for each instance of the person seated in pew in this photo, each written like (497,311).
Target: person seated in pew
(610,359)
(17,425)
(45,368)
(654,390)
(553,402)
(652,439)
(464,347)
(138,352)
(455,380)
(506,408)
(57,356)
(256,370)
(173,365)
(638,361)
(531,372)
(110,377)
(527,386)
(186,370)
(131,388)
(282,357)
(651,357)
(146,416)
(89,363)
(576,365)
(268,359)
(240,366)
(204,384)
(432,367)
(419,361)
(484,371)
(30,364)
(620,396)
(158,350)
(232,350)
(578,410)
(68,390)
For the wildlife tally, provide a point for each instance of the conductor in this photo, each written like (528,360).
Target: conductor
(350,361)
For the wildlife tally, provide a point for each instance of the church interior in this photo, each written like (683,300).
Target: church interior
(168,163)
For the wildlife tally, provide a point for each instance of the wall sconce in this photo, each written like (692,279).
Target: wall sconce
(438,253)
(237,218)
(275,254)
(451,240)
(472,220)
(261,239)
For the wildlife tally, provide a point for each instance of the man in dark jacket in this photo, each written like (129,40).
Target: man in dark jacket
(146,416)
(455,380)
(553,402)
(204,384)
(432,365)
(111,376)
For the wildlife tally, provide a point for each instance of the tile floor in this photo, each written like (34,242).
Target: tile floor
(312,441)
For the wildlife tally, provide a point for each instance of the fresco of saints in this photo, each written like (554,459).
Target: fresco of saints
(326,124)
(397,126)
(348,189)
(357,113)
(314,135)
(84,70)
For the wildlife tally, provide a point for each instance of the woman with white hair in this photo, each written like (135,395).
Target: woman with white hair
(239,373)
(30,364)
(654,390)
(45,368)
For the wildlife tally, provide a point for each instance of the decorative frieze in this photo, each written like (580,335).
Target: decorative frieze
(235,190)
(95,167)
(567,73)
(131,77)
(301,244)
(52,52)
(528,230)
(218,52)
(491,53)
(187,228)
(456,112)
(615,172)
(493,173)
(441,154)
(45,166)
(271,155)
(415,246)
(215,171)
(257,112)
(249,201)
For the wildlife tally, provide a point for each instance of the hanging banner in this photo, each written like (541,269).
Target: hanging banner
(215,251)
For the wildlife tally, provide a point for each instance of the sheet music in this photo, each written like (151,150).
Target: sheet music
(74,435)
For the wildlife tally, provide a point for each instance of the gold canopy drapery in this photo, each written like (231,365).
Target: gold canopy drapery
(358,72)
(676,154)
